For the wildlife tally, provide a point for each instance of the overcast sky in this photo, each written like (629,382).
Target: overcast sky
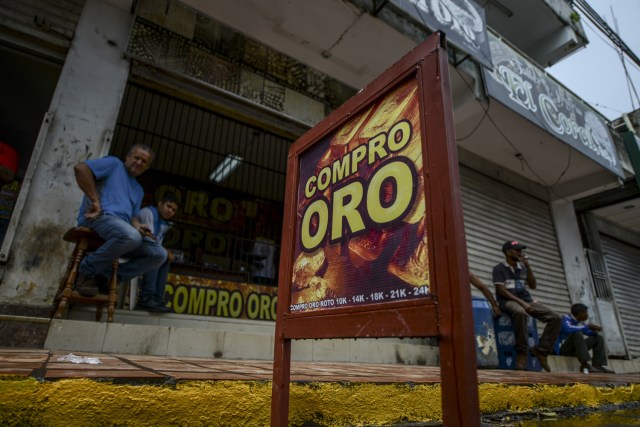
(595,72)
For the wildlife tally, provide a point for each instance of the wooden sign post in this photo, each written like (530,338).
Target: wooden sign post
(373,241)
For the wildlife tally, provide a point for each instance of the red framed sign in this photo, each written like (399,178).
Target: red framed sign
(373,239)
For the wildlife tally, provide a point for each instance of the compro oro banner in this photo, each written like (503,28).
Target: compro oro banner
(361,229)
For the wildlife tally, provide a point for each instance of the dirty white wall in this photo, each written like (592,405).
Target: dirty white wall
(578,275)
(573,258)
(84,107)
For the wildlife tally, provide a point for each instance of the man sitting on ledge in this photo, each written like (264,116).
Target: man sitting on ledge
(577,338)
(110,207)
(512,277)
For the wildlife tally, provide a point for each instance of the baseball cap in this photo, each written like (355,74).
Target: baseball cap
(512,244)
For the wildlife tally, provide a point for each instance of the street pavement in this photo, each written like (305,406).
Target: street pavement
(51,365)
(61,388)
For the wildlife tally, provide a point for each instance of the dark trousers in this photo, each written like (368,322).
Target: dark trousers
(539,312)
(578,345)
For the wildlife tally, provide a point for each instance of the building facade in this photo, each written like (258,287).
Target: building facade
(223,85)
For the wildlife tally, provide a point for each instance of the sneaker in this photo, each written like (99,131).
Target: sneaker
(163,306)
(587,367)
(144,304)
(152,306)
(601,369)
(542,358)
(160,309)
(521,362)
(87,286)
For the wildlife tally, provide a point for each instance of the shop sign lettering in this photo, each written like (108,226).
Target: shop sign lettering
(205,297)
(340,216)
(462,20)
(526,89)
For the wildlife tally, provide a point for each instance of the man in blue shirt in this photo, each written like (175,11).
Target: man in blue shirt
(512,278)
(154,281)
(577,338)
(110,207)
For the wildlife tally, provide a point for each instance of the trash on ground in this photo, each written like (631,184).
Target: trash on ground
(79,359)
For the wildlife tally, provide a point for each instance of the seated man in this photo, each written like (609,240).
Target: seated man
(155,280)
(577,338)
(110,207)
(512,277)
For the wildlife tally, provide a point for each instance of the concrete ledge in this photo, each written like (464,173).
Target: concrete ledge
(563,364)
(571,364)
(139,332)
(228,340)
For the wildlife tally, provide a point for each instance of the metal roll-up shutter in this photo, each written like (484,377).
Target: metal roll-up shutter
(40,25)
(623,265)
(494,213)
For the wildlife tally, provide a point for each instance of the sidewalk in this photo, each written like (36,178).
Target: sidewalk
(36,387)
(45,365)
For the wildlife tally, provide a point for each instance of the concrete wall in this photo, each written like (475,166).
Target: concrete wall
(578,275)
(84,107)
(138,332)
(576,267)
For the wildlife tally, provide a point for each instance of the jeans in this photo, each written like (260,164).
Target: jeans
(539,312)
(578,345)
(153,284)
(121,239)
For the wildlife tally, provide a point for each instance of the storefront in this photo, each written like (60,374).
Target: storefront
(495,212)
(623,264)
(614,258)
(229,179)
(34,39)
(220,105)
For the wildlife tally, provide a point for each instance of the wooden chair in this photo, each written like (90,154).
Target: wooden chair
(86,240)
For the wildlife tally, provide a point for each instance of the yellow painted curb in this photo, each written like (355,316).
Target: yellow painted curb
(236,403)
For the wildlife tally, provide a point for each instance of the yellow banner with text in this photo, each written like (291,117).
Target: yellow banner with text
(219,298)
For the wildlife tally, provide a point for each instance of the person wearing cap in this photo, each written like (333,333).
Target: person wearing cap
(512,278)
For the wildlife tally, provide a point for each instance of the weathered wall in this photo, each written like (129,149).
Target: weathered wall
(575,263)
(84,106)
(578,275)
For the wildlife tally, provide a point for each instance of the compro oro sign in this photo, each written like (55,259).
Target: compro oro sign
(360,227)
(373,236)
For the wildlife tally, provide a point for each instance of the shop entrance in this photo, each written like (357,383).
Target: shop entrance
(229,177)
(27,83)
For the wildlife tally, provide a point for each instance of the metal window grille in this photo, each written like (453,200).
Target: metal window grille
(189,143)
(599,275)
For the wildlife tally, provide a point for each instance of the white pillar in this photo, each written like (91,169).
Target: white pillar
(578,276)
(84,107)
(576,266)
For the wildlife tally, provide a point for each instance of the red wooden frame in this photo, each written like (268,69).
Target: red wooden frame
(446,313)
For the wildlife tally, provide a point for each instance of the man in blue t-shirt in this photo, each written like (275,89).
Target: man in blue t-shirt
(110,207)
(577,338)
(154,281)
(511,278)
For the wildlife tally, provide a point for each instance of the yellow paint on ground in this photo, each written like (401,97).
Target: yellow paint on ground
(236,403)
